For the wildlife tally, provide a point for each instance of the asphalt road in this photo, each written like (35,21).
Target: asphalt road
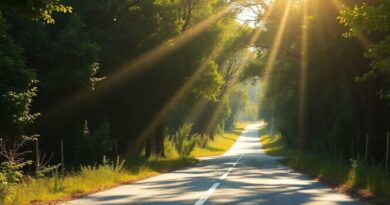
(243,175)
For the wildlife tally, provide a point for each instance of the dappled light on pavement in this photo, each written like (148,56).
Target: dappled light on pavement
(243,175)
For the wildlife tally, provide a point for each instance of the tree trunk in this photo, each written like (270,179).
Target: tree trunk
(159,140)
(148,147)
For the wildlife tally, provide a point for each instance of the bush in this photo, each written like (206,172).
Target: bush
(91,146)
(11,170)
(183,142)
(202,140)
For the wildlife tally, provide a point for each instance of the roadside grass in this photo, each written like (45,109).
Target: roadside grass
(352,176)
(221,142)
(88,180)
(91,179)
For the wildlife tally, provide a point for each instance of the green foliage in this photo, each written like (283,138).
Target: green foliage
(10,174)
(310,94)
(46,170)
(183,141)
(93,145)
(202,140)
(66,59)
(78,54)
(367,19)
(58,182)
(3,186)
(17,86)
(238,101)
(209,84)
(354,172)
(11,169)
(37,9)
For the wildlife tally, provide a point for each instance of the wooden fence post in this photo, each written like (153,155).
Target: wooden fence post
(387,151)
(37,155)
(366,151)
(62,155)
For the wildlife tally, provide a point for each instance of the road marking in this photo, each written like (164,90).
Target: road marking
(209,192)
(224,176)
(238,160)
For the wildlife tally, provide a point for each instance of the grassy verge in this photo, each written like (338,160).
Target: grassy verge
(351,176)
(220,144)
(89,180)
(96,178)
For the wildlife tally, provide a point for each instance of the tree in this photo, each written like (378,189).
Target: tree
(371,20)
(16,88)
(337,111)
(36,9)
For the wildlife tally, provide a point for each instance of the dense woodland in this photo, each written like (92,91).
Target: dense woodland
(328,90)
(117,76)
(126,73)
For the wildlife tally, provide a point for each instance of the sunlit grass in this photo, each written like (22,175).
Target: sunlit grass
(89,180)
(272,144)
(92,179)
(332,169)
(221,142)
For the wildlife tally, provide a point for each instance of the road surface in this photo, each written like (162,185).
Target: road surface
(243,175)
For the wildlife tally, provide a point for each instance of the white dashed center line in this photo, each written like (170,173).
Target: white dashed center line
(209,192)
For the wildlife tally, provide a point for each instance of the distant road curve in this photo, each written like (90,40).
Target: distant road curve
(243,175)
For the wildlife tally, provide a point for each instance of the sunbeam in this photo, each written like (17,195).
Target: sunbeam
(188,85)
(138,64)
(185,89)
(245,59)
(276,46)
(303,70)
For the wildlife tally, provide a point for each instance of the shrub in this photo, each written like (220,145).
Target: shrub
(91,146)
(183,141)
(11,170)
(202,140)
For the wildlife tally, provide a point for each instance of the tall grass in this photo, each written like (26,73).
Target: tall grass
(111,173)
(88,179)
(335,169)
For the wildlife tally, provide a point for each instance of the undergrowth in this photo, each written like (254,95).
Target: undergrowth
(335,169)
